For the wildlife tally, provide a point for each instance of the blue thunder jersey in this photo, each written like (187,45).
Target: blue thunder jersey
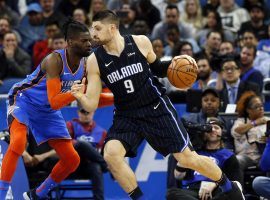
(219,157)
(34,86)
(128,77)
(28,102)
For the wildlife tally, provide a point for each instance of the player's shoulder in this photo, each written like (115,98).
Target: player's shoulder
(52,58)
(140,38)
(142,41)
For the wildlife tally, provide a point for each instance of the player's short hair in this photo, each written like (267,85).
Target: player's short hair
(108,16)
(72,28)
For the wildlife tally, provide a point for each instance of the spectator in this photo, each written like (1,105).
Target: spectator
(232,15)
(205,74)
(172,18)
(140,27)
(162,5)
(4,28)
(15,63)
(58,41)
(256,23)
(31,27)
(174,37)
(194,184)
(248,39)
(261,184)
(44,47)
(248,72)
(213,41)
(49,14)
(183,48)
(248,130)
(150,12)
(159,49)
(211,5)
(213,23)
(210,103)
(127,15)
(96,6)
(117,4)
(89,139)
(193,14)
(81,16)
(5,11)
(226,48)
(67,7)
(233,86)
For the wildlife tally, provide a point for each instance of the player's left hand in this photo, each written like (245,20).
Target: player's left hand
(206,190)
(78,88)
(189,58)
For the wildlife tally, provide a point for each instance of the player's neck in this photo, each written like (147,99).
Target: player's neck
(115,46)
(73,60)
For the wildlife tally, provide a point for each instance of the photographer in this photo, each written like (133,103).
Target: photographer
(195,185)
(210,107)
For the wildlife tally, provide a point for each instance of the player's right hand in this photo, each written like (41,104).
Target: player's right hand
(78,88)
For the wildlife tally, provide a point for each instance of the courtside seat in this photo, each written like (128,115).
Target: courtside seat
(73,189)
(266,89)
(249,175)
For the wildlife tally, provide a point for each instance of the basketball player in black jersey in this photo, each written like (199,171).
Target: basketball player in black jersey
(127,64)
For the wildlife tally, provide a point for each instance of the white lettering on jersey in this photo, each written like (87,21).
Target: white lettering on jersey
(125,72)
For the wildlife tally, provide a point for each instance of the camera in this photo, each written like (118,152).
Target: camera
(196,133)
(218,59)
(196,128)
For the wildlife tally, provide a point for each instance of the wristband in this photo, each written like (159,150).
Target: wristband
(253,123)
(180,169)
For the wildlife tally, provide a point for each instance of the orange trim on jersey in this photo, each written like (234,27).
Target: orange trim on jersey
(57,99)
(61,60)
(68,64)
(31,85)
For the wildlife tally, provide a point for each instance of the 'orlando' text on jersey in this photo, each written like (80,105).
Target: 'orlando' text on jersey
(128,77)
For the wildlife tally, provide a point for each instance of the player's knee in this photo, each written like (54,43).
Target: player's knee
(187,160)
(17,145)
(112,158)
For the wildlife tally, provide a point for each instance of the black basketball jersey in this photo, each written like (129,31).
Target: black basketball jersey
(128,77)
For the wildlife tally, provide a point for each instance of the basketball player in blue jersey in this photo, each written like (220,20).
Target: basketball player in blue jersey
(126,65)
(35,102)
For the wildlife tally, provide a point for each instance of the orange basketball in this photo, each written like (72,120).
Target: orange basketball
(182,72)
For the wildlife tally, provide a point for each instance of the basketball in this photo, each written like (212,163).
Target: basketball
(182,72)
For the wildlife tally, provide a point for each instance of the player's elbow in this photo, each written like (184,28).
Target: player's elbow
(55,106)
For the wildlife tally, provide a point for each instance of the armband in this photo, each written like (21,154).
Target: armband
(180,169)
(159,68)
(253,123)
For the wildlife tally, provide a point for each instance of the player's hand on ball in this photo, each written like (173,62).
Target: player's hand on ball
(189,58)
(78,88)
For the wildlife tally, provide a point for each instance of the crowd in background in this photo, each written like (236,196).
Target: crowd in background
(230,40)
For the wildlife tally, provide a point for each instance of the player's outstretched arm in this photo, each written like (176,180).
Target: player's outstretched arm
(90,99)
(53,65)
